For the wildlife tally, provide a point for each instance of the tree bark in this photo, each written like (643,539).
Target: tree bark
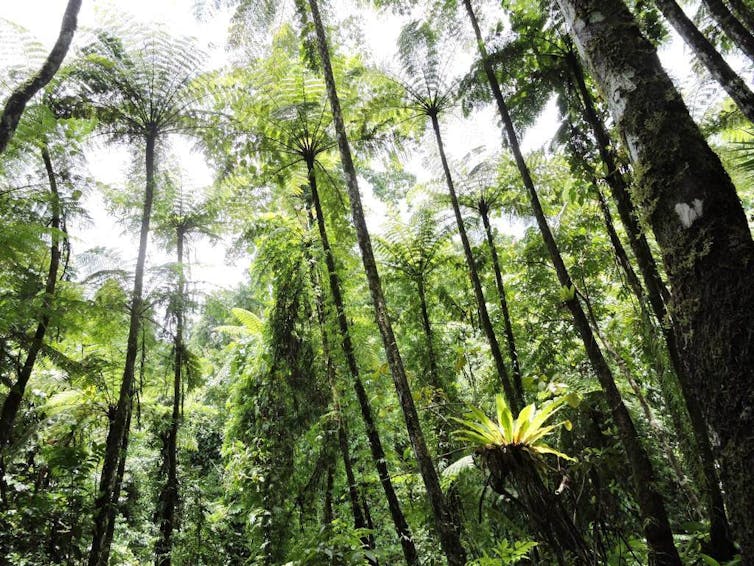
(721,545)
(375,444)
(12,402)
(444,522)
(744,13)
(510,338)
(168,498)
(709,56)
(651,505)
(15,105)
(732,27)
(116,443)
(692,206)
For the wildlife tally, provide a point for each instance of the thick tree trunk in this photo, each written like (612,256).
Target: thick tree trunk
(168,499)
(444,522)
(514,396)
(721,546)
(651,505)
(692,206)
(17,102)
(116,445)
(375,444)
(12,402)
(709,56)
(510,338)
(733,28)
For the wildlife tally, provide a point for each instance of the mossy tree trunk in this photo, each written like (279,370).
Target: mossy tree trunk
(721,546)
(744,13)
(445,524)
(690,202)
(651,505)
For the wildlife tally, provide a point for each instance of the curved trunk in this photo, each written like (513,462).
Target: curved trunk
(733,28)
(701,228)
(709,56)
(375,444)
(117,435)
(15,105)
(721,545)
(168,499)
(12,401)
(514,396)
(444,521)
(651,505)
(509,336)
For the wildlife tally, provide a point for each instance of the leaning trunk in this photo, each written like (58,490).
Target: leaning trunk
(375,444)
(721,546)
(12,402)
(509,336)
(444,522)
(116,444)
(17,102)
(709,56)
(651,505)
(168,498)
(697,217)
(732,27)
(744,13)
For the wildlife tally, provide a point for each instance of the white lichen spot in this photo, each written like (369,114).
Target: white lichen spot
(596,17)
(689,213)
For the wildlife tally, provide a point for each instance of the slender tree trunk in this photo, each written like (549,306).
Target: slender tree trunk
(168,499)
(15,105)
(116,443)
(721,545)
(353,490)
(701,228)
(744,13)
(732,27)
(12,402)
(373,435)
(120,473)
(484,212)
(514,395)
(444,521)
(651,505)
(327,512)
(709,56)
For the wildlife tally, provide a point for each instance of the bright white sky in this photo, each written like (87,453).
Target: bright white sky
(42,18)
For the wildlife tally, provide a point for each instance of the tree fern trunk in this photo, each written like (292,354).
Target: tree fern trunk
(116,445)
(375,444)
(15,105)
(709,56)
(12,401)
(444,522)
(507,324)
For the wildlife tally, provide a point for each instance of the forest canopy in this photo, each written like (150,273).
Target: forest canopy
(404,281)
